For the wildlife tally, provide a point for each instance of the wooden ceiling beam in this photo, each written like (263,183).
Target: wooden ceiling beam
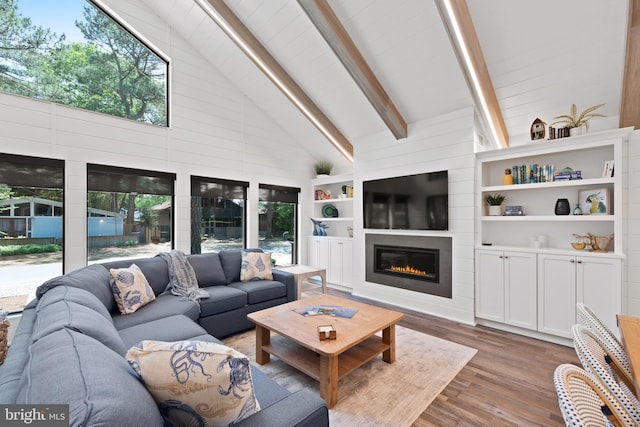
(457,19)
(251,46)
(630,108)
(330,27)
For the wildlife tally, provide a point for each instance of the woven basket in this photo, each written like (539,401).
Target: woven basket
(4,331)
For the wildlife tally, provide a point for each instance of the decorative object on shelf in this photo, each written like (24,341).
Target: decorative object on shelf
(607,171)
(575,122)
(513,210)
(495,201)
(507,179)
(567,174)
(537,129)
(320,195)
(562,207)
(323,168)
(319,229)
(596,243)
(577,210)
(596,201)
(350,230)
(329,211)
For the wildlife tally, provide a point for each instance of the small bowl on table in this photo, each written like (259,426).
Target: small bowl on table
(578,245)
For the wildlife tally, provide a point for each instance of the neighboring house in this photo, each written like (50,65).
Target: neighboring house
(34,217)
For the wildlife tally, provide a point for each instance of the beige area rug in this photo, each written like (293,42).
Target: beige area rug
(378,393)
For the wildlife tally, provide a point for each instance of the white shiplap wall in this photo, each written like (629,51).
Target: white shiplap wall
(444,142)
(215,131)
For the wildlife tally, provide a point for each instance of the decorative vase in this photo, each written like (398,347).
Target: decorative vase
(507,179)
(577,210)
(576,131)
(562,207)
(495,210)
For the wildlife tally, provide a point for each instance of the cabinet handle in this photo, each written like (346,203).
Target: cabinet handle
(506,257)
(500,257)
(579,262)
(572,261)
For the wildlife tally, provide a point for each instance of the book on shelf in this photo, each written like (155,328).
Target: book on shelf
(567,176)
(532,173)
(608,170)
(513,211)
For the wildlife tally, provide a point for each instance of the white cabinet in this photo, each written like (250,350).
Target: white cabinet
(340,261)
(335,255)
(333,204)
(564,280)
(506,287)
(318,252)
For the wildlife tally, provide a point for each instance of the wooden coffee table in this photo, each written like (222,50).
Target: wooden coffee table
(296,341)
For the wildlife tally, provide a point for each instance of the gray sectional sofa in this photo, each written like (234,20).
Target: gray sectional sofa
(71,340)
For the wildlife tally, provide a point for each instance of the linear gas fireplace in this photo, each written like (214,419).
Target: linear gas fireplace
(416,263)
(402,261)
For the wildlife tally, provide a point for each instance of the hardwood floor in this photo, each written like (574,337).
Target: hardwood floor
(509,382)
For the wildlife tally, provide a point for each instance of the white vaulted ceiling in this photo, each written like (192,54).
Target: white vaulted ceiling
(542,56)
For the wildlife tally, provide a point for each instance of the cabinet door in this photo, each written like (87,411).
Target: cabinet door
(556,294)
(490,285)
(520,288)
(599,282)
(340,260)
(318,252)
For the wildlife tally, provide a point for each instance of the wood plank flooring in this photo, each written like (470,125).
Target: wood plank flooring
(509,382)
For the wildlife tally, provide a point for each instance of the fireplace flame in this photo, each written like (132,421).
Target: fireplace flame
(408,269)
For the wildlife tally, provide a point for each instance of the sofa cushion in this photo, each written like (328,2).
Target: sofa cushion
(223,298)
(261,290)
(77,295)
(93,278)
(208,269)
(155,269)
(130,289)
(163,306)
(255,266)
(231,261)
(67,367)
(68,314)
(172,328)
(195,382)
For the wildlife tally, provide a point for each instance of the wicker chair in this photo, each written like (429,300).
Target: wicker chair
(609,341)
(584,402)
(595,360)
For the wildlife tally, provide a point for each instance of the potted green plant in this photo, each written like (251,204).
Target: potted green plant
(323,168)
(575,122)
(495,203)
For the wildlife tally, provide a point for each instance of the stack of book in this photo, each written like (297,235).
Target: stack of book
(513,211)
(567,175)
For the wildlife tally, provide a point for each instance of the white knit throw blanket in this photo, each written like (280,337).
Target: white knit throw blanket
(182,277)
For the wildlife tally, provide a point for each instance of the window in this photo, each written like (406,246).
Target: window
(218,208)
(73,53)
(129,212)
(31,226)
(278,212)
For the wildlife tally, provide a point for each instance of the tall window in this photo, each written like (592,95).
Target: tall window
(73,53)
(218,208)
(277,209)
(129,212)
(31,226)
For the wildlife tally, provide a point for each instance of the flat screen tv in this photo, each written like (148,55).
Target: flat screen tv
(410,202)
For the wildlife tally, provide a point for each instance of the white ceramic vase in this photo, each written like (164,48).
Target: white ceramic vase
(495,210)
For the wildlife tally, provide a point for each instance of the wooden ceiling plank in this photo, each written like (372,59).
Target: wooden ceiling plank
(251,46)
(630,108)
(330,27)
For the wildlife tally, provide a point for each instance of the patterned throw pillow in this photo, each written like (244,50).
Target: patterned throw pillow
(130,288)
(196,382)
(255,266)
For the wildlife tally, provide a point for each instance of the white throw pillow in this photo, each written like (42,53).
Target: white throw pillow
(194,382)
(130,288)
(255,266)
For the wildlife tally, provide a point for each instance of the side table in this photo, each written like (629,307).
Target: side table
(304,272)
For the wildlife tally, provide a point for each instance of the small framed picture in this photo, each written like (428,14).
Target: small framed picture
(595,201)
(608,169)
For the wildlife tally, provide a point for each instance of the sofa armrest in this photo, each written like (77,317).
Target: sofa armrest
(290,282)
(303,408)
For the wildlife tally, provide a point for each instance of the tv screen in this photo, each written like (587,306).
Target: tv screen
(411,202)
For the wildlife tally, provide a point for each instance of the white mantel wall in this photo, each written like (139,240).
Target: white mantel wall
(215,132)
(444,142)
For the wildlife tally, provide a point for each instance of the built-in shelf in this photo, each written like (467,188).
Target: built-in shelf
(567,218)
